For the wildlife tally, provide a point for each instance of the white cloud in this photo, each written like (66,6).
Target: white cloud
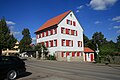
(116,27)
(77,11)
(10,23)
(118,31)
(11,27)
(101,4)
(117,19)
(97,22)
(15,33)
(80,7)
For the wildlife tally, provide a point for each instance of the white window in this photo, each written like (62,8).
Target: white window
(70,43)
(69,31)
(63,42)
(38,36)
(64,30)
(49,44)
(64,53)
(44,33)
(75,54)
(48,32)
(74,32)
(41,34)
(68,22)
(53,31)
(54,44)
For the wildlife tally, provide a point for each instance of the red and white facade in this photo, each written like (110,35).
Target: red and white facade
(88,55)
(63,36)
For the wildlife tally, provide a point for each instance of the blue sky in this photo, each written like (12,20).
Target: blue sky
(94,15)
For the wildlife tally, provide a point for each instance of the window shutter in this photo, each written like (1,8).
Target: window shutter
(61,30)
(51,31)
(71,22)
(55,30)
(74,23)
(78,53)
(73,54)
(67,54)
(67,42)
(46,33)
(46,43)
(81,43)
(72,43)
(51,43)
(67,21)
(76,33)
(56,42)
(78,43)
(62,54)
(72,32)
(43,34)
(62,42)
(67,32)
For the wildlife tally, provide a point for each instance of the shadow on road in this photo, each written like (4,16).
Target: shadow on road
(24,75)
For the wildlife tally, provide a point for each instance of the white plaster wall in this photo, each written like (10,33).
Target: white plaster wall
(60,36)
(71,37)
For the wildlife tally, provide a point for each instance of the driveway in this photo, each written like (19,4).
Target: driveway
(54,70)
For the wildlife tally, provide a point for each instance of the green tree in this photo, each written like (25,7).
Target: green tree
(38,48)
(25,41)
(7,40)
(107,48)
(118,43)
(98,38)
(86,40)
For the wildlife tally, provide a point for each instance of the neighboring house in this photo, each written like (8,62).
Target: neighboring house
(89,55)
(63,36)
(11,52)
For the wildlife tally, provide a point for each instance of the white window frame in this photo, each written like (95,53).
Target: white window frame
(48,32)
(44,34)
(64,54)
(54,43)
(64,30)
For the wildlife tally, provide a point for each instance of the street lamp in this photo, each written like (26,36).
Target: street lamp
(97,51)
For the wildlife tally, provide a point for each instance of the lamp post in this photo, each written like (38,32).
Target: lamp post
(97,51)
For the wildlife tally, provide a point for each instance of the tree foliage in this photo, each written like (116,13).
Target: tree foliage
(39,48)
(98,38)
(107,48)
(118,43)
(25,41)
(7,40)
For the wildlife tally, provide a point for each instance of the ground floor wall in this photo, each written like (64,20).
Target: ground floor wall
(69,56)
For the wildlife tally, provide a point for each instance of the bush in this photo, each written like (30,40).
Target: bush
(51,57)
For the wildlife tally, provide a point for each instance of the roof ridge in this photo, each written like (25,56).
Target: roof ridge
(53,21)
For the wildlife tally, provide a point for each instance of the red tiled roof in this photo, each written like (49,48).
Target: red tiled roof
(86,49)
(53,21)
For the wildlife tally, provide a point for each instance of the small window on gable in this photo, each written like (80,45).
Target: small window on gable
(68,22)
(70,15)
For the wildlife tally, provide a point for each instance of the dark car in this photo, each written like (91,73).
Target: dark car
(11,67)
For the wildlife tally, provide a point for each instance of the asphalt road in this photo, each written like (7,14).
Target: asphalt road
(54,70)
